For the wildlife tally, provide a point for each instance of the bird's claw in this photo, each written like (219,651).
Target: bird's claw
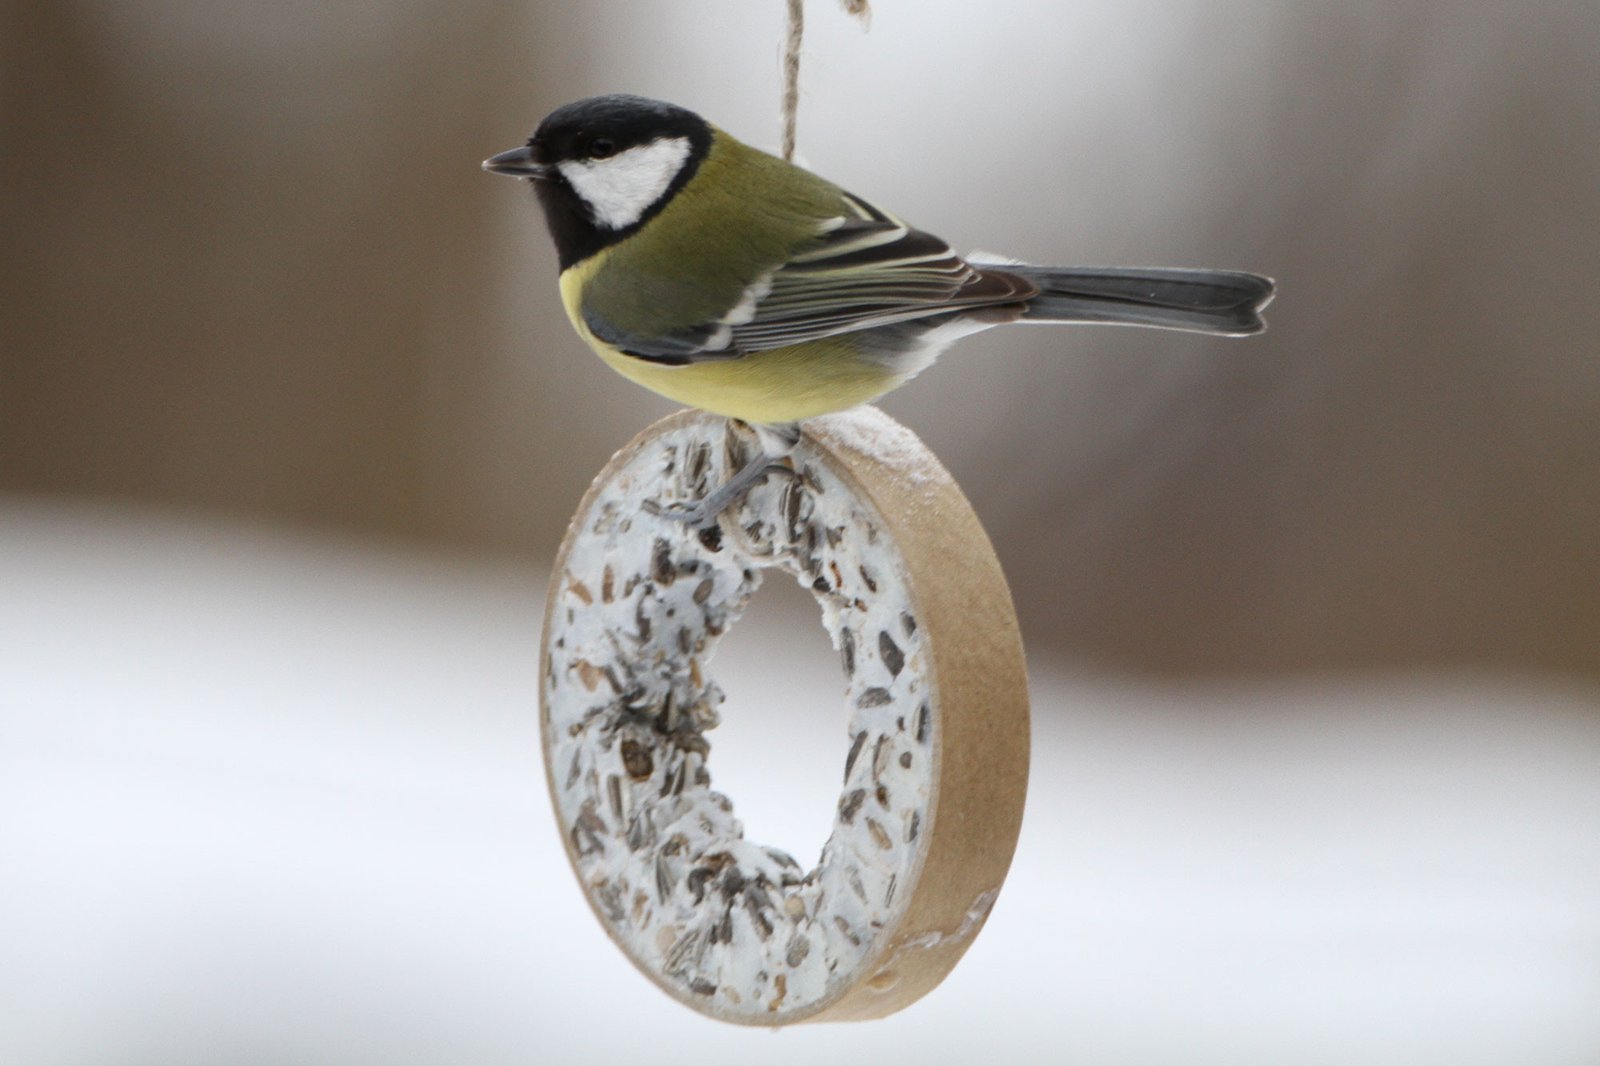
(704,512)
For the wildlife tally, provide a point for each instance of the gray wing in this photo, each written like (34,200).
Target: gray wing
(868,269)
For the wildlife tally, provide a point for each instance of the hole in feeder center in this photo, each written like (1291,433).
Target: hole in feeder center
(778,752)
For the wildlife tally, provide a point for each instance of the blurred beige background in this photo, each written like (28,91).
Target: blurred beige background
(250,266)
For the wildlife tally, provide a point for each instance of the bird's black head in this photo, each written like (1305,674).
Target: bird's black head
(604,166)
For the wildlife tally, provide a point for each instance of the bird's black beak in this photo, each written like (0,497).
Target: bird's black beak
(518,162)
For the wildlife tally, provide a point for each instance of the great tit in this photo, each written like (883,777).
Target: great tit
(727,279)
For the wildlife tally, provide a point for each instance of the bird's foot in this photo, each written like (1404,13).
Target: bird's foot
(775,443)
(705,511)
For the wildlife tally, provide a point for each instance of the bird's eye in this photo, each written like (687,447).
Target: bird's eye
(602,148)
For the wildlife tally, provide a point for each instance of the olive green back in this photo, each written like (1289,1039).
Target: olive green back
(743,213)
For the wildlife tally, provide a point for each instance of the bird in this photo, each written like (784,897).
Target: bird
(730,280)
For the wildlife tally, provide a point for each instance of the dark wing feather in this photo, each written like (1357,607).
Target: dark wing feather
(678,348)
(869,270)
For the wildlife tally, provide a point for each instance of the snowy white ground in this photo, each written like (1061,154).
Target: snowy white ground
(267,798)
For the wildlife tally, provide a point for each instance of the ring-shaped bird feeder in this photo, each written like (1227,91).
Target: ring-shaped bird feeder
(935,752)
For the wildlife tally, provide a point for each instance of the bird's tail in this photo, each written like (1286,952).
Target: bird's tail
(1203,301)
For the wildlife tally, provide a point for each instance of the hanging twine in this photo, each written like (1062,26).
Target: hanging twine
(860,9)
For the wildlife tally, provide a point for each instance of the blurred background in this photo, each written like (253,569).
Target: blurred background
(291,424)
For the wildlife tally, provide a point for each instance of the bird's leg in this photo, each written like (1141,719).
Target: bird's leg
(774,443)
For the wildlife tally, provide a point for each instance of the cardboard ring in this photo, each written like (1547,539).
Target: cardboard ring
(936,770)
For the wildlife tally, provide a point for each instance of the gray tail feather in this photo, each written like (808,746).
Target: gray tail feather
(1204,301)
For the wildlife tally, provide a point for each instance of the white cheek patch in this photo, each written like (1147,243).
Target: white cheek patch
(621,189)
